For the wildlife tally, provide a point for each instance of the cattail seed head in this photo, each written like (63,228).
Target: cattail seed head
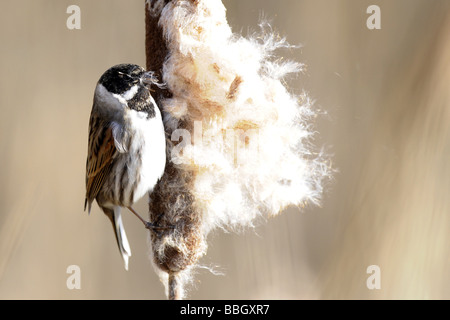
(253,155)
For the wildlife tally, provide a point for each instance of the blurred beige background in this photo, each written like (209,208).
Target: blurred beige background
(387,96)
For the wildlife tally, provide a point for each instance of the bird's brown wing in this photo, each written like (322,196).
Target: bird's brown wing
(101,153)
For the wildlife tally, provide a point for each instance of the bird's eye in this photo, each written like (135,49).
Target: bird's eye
(122,75)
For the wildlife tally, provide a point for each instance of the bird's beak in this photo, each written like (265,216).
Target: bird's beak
(148,78)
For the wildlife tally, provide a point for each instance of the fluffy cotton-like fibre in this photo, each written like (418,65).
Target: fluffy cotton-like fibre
(248,151)
(233,84)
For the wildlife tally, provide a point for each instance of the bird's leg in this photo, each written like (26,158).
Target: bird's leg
(148,224)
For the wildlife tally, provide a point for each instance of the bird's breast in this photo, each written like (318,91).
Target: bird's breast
(146,156)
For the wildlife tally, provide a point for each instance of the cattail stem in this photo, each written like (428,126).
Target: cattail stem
(156,53)
(155,47)
(175,287)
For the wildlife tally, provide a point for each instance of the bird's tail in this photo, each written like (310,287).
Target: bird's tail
(119,231)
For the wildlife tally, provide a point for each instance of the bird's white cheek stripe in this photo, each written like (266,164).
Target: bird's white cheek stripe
(108,97)
(130,93)
(108,100)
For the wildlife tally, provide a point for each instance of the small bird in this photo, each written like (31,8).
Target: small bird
(127,146)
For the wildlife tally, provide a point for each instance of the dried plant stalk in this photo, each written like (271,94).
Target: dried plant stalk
(175,287)
(250,154)
(170,201)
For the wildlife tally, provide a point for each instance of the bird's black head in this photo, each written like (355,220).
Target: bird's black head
(132,83)
(121,78)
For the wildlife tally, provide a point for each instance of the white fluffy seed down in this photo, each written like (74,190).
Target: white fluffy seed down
(249,148)
(254,157)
